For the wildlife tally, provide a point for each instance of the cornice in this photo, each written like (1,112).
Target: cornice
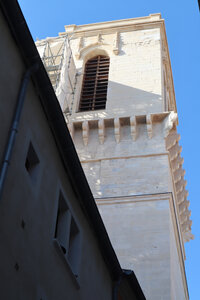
(176,162)
(133,198)
(100,124)
(153,20)
(167,64)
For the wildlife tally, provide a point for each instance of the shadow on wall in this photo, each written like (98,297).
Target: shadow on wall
(126,100)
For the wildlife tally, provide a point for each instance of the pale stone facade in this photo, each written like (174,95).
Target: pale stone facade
(130,151)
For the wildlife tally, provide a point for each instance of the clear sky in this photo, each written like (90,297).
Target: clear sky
(182,18)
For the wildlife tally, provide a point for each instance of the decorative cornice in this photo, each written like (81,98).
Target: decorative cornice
(169,122)
(85,133)
(149,126)
(116,43)
(131,121)
(117,129)
(182,204)
(101,125)
(151,20)
(133,125)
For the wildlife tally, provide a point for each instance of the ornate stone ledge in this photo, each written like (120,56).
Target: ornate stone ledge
(172,145)
(117,123)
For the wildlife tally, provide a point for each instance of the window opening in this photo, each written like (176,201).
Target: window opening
(67,234)
(32,162)
(95,84)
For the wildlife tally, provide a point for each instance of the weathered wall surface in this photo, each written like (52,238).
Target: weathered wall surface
(134,74)
(31,267)
(128,167)
(132,181)
(176,272)
(139,230)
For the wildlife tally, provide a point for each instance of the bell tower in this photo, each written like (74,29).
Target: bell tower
(122,117)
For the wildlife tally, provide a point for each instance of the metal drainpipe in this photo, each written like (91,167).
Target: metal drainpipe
(15,125)
(116,288)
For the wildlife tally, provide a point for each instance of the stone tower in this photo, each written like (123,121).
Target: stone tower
(129,149)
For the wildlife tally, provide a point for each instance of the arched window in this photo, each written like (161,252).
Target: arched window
(95,83)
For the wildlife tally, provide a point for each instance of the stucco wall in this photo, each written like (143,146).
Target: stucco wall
(31,267)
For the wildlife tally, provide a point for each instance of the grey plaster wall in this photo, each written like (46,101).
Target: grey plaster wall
(31,267)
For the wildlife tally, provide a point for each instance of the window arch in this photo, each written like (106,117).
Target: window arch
(95,84)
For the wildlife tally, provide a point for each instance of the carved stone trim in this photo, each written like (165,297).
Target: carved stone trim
(178,174)
(101,125)
(117,129)
(149,126)
(81,49)
(174,151)
(98,38)
(80,45)
(133,125)
(172,139)
(169,122)
(182,196)
(116,44)
(85,130)
(183,206)
(180,185)
(176,160)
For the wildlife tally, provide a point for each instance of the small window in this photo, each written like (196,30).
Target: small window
(32,162)
(67,234)
(95,84)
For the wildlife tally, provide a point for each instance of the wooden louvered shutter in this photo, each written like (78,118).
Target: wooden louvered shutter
(95,83)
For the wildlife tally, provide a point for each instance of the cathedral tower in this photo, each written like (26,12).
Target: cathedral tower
(122,117)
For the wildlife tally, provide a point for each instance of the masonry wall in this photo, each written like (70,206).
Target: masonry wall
(125,154)
(139,231)
(128,167)
(132,183)
(134,75)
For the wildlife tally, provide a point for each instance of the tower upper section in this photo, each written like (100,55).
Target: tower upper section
(139,79)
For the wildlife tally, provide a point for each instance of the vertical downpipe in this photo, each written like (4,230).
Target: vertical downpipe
(14,126)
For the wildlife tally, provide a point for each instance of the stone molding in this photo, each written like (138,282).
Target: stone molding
(176,162)
(166,63)
(83,50)
(113,25)
(132,198)
(116,123)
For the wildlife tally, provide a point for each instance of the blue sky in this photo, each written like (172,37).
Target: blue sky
(182,18)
